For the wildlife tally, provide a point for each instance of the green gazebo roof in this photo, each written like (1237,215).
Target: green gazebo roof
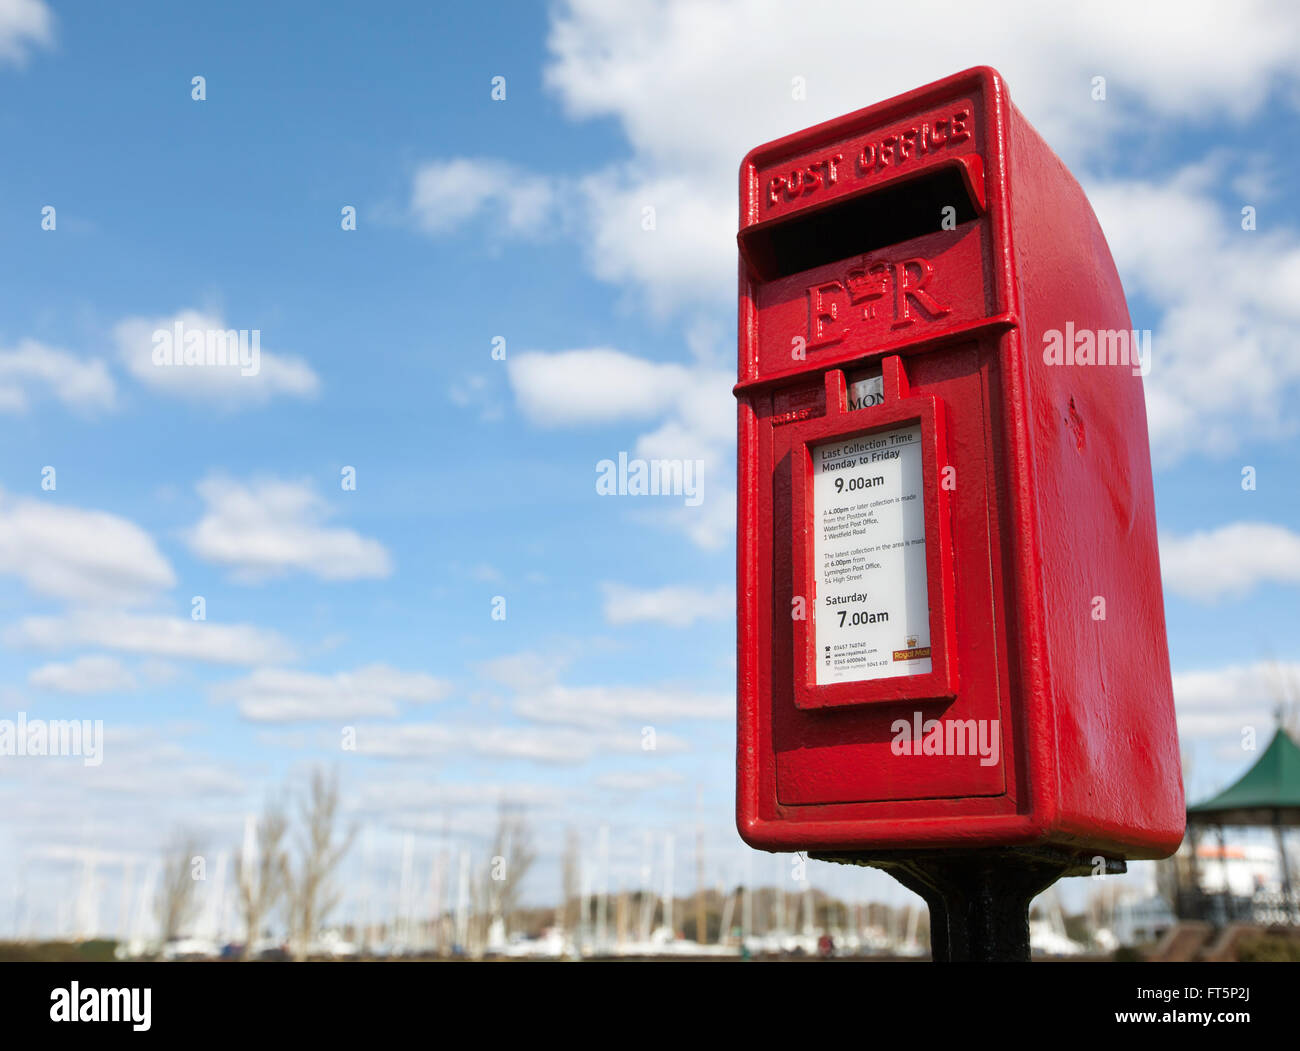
(1266,794)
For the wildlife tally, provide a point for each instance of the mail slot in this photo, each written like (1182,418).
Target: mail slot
(951,628)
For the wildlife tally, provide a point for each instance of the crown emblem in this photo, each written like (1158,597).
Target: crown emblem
(867,282)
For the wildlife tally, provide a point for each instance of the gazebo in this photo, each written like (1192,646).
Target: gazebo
(1265,796)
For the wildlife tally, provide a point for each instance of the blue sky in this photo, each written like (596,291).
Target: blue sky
(523,218)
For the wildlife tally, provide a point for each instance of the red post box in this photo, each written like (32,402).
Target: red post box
(951,631)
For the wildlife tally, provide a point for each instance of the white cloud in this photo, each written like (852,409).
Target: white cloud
(1223,701)
(522,671)
(148,762)
(89,674)
(692,406)
(539,744)
(81,384)
(623,781)
(603,706)
(447,194)
(701,426)
(150,782)
(688,257)
(678,607)
(694,86)
(158,672)
(175,638)
(92,557)
(383,797)
(1230,560)
(268,528)
(599,385)
(24,24)
(280,695)
(1223,365)
(224,386)
(540,696)
(689,81)
(476,391)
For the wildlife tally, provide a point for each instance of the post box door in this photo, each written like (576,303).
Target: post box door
(877,750)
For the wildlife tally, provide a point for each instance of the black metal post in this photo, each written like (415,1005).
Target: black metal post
(979,900)
(1229,906)
(1286,868)
(1191,904)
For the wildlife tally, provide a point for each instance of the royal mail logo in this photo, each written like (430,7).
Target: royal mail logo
(914,653)
(780,419)
(896,292)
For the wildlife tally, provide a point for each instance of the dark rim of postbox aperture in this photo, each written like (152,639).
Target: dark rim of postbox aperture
(860,224)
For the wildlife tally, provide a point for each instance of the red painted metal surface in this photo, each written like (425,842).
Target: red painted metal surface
(847,271)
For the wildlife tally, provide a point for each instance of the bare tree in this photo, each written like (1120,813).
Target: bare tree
(264,878)
(1169,876)
(571,880)
(311,895)
(175,904)
(511,857)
